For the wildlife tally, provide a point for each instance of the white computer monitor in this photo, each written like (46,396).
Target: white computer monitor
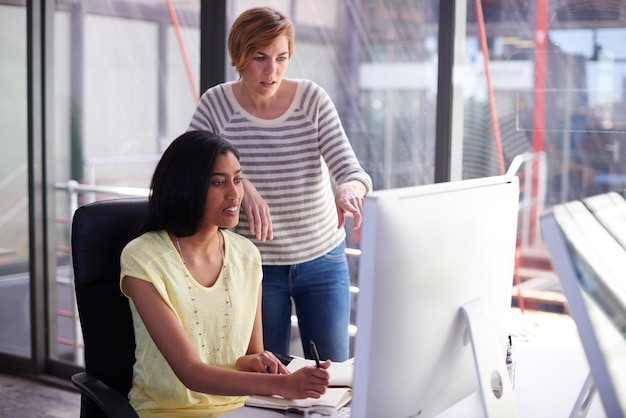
(610,210)
(587,247)
(435,258)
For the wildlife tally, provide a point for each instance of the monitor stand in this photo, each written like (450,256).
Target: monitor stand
(581,407)
(495,387)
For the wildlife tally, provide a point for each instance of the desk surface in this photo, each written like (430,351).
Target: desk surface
(550,372)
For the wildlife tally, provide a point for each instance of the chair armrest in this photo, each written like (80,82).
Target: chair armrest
(109,400)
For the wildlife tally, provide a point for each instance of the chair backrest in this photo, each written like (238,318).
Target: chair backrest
(100,230)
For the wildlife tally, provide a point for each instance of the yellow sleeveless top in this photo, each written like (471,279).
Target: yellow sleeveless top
(221,335)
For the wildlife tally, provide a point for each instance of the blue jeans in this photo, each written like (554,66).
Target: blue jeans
(320,290)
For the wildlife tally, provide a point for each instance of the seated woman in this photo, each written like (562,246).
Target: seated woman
(194,290)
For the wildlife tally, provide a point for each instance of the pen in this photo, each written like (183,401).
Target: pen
(269,370)
(315,354)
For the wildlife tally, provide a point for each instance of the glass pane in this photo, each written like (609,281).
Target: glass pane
(14,240)
(557,101)
(125,78)
(397,73)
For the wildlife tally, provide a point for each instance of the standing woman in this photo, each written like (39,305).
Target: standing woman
(292,145)
(194,290)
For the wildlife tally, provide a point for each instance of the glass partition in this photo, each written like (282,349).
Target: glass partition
(542,85)
(15,318)
(125,77)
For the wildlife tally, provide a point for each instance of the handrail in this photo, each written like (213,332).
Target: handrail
(530,205)
(523,165)
(74,188)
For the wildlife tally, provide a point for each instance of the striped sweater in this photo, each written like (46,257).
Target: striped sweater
(291,161)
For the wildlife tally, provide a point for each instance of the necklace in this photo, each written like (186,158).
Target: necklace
(227,306)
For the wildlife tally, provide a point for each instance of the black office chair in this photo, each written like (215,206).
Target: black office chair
(99,232)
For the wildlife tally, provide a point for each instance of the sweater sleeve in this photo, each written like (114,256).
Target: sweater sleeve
(335,146)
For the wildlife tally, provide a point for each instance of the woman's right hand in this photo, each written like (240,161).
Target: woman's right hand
(307,382)
(257,212)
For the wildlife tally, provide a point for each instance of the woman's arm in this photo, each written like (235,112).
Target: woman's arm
(172,342)
(352,182)
(256,339)
(257,211)
(256,358)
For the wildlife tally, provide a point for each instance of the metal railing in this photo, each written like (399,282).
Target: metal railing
(74,189)
(531,168)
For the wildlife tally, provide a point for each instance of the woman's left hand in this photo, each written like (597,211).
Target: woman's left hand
(265,362)
(349,198)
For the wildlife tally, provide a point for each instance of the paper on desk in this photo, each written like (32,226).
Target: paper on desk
(341,373)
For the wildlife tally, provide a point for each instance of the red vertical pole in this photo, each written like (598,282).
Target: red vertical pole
(183,51)
(482,34)
(539,108)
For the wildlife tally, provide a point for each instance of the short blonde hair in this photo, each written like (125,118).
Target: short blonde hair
(255,29)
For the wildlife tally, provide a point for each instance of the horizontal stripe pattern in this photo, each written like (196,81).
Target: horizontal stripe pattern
(291,161)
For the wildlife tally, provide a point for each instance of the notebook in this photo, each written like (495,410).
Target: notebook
(336,396)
